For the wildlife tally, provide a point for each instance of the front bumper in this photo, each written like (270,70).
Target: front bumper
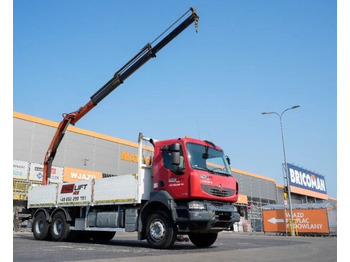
(214,217)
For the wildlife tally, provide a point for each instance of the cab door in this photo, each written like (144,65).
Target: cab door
(174,177)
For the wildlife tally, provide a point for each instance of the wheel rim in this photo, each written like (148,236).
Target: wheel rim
(157,230)
(39,226)
(57,227)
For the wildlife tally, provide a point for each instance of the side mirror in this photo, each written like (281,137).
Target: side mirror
(228,160)
(175,158)
(205,155)
(175,154)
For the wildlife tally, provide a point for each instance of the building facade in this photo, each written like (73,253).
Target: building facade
(85,154)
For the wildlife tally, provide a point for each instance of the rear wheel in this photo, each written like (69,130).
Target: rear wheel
(40,226)
(59,229)
(160,230)
(203,240)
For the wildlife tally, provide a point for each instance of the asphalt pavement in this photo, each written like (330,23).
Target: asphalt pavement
(229,246)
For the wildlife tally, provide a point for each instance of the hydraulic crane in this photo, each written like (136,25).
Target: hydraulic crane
(145,54)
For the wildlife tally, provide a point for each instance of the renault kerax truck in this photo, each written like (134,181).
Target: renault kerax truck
(185,189)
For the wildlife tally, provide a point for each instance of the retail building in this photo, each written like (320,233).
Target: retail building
(84,154)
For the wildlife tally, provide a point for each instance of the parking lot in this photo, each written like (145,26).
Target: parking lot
(228,247)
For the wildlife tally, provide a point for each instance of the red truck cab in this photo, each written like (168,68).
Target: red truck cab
(188,168)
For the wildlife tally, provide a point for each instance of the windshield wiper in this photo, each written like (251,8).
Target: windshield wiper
(204,168)
(221,173)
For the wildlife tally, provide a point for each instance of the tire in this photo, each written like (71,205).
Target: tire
(203,240)
(59,229)
(40,227)
(102,236)
(160,231)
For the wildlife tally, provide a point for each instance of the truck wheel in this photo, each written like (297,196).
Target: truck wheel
(59,229)
(203,240)
(160,231)
(102,236)
(40,227)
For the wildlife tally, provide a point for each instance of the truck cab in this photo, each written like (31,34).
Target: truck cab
(188,168)
(194,188)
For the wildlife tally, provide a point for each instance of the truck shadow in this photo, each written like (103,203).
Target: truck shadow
(144,244)
(116,242)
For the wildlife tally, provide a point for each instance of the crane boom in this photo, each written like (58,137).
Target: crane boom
(146,53)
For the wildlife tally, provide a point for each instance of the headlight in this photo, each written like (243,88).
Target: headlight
(196,205)
(235,209)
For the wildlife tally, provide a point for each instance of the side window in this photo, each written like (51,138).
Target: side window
(167,160)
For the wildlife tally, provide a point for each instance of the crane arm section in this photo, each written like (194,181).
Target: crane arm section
(146,53)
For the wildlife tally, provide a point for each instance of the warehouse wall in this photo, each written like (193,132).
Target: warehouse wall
(92,151)
(97,152)
(257,186)
(78,150)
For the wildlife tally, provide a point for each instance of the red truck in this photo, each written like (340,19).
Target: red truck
(186,188)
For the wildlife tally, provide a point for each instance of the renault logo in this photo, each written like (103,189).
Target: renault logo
(220,188)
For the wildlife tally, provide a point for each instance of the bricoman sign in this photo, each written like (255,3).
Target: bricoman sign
(305,179)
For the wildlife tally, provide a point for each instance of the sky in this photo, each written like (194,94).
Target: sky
(248,57)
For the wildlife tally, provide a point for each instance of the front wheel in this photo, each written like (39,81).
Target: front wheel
(160,230)
(203,240)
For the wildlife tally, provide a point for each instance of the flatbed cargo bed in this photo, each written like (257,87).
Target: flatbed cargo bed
(123,189)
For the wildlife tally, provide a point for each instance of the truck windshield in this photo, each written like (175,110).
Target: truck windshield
(207,158)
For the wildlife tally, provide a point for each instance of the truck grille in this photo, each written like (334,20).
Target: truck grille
(216,191)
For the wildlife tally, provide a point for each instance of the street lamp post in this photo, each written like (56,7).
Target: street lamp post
(285,166)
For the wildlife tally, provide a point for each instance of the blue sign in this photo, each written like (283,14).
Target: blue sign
(306,179)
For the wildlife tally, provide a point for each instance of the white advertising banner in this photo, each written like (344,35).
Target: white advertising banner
(56,175)
(20,169)
(36,173)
